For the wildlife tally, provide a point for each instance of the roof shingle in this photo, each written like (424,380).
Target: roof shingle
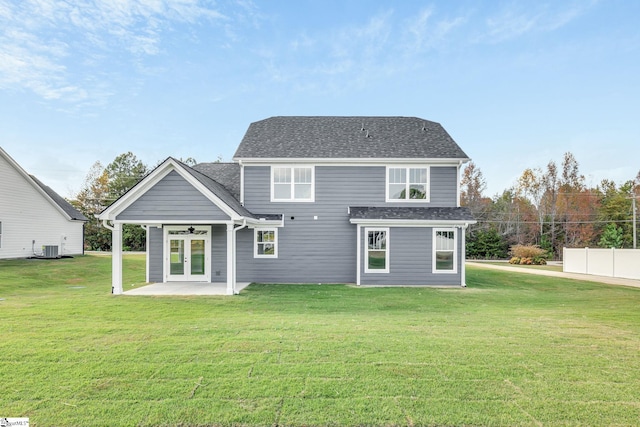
(331,137)
(412,213)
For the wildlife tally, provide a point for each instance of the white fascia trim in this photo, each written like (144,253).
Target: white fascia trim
(409,223)
(152,179)
(349,161)
(34,184)
(263,223)
(254,223)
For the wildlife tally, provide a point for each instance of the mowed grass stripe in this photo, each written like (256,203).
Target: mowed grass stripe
(511,349)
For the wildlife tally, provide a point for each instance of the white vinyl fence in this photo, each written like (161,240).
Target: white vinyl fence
(613,262)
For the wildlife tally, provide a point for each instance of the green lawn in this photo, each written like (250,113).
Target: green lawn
(511,349)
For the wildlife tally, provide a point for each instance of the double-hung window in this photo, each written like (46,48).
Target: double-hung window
(444,250)
(292,184)
(408,184)
(377,250)
(266,243)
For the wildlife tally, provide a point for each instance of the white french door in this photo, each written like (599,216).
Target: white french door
(187,254)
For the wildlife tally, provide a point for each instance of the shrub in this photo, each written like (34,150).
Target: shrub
(528,251)
(528,255)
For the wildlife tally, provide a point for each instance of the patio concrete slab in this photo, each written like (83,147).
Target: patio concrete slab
(184,288)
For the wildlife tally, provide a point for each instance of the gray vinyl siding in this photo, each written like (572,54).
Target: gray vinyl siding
(154,252)
(310,250)
(323,250)
(219,253)
(410,257)
(444,186)
(172,198)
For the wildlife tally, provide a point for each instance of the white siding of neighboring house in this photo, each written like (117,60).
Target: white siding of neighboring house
(28,215)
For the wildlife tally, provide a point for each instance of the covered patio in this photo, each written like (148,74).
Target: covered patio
(184,289)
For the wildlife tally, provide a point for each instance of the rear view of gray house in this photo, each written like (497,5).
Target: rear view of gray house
(364,200)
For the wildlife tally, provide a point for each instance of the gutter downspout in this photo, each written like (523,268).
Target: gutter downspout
(463,276)
(235,250)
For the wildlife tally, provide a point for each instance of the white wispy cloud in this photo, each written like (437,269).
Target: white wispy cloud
(57,49)
(428,30)
(514,20)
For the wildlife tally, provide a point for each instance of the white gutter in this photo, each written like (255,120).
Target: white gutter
(106,225)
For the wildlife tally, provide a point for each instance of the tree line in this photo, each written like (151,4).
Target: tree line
(551,207)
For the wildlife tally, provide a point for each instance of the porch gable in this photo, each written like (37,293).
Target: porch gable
(172,199)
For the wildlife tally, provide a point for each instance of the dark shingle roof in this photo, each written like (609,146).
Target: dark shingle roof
(223,179)
(411,213)
(227,174)
(219,190)
(348,137)
(73,213)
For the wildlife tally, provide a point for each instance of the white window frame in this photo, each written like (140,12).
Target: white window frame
(407,183)
(387,251)
(292,169)
(435,251)
(256,243)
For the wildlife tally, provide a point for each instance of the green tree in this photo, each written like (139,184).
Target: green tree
(616,207)
(91,200)
(487,244)
(102,187)
(612,236)
(124,172)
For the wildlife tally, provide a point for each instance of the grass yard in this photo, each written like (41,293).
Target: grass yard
(511,349)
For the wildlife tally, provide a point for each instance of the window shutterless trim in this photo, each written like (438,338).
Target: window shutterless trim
(368,230)
(407,183)
(256,243)
(454,250)
(292,183)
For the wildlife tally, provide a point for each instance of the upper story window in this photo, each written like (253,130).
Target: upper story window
(408,184)
(292,184)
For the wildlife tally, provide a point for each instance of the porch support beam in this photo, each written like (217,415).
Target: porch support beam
(231,250)
(116,259)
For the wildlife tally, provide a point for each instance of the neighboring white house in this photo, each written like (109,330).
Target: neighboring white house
(33,216)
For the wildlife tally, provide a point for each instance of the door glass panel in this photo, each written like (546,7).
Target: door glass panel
(176,257)
(197,256)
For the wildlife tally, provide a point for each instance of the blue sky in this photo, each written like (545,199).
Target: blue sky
(515,83)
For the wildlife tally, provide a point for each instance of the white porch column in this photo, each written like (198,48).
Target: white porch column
(231,253)
(358,253)
(116,259)
(463,254)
